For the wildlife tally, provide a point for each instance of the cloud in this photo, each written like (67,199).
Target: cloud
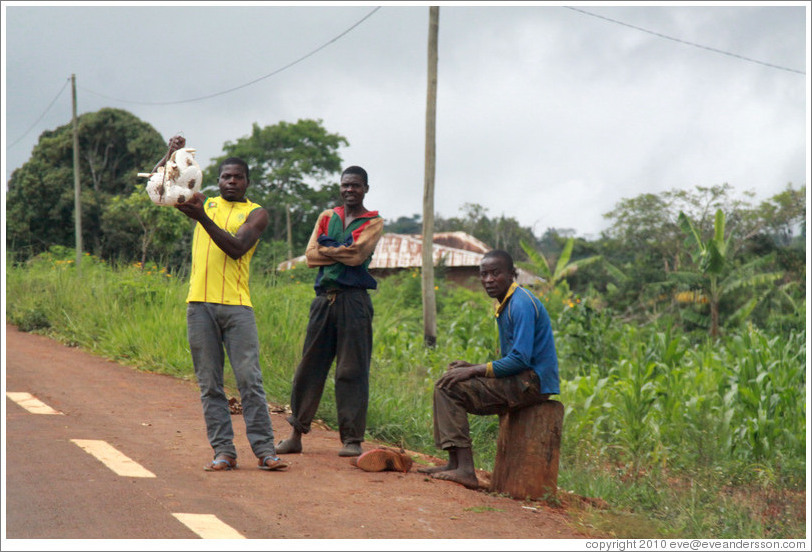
(545,114)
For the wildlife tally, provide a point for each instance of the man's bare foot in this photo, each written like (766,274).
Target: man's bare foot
(435,469)
(291,445)
(468,480)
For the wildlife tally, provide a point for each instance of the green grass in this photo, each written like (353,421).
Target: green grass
(681,437)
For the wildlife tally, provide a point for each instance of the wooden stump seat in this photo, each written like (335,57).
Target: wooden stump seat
(527,451)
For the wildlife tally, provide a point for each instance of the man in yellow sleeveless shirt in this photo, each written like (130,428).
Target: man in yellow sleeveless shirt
(220,315)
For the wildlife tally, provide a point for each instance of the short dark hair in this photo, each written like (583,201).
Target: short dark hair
(355,169)
(234,161)
(502,255)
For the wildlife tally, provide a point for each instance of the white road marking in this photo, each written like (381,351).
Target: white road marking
(208,526)
(31,403)
(113,459)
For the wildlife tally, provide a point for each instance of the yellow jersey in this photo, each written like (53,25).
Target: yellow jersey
(216,277)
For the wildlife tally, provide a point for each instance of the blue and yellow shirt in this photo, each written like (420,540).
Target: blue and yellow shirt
(526,339)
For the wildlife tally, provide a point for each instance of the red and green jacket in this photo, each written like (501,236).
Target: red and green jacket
(343,255)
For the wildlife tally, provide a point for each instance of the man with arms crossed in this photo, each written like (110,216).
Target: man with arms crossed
(340,324)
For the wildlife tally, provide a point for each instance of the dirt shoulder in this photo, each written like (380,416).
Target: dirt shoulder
(54,490)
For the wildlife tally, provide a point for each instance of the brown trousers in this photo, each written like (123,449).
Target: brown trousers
(482,396)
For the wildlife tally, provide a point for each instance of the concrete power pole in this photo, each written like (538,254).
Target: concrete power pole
(77,202)
(429,302)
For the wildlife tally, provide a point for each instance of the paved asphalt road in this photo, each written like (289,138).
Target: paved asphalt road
(55,489)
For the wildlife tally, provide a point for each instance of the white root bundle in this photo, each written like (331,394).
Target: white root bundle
(177,180)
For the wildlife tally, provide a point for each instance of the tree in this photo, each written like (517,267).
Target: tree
(715,273)
(507,234)
(783,214)
(645,239)
(499,233)
(39,207)
(114,146)
(135,223)
(405,225)
(647,226)
(291,165)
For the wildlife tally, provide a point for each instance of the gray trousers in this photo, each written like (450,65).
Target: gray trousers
(210,328)
(340,328)
(483,396)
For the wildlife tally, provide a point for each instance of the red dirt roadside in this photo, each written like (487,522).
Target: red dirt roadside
(54,490)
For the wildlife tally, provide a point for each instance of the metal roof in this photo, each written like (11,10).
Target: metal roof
(406,251)
(451,249)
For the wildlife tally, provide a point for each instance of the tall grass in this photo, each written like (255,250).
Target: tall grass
(694,438)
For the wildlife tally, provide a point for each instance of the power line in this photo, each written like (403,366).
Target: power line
(289,65)
(14,143)
(685,41)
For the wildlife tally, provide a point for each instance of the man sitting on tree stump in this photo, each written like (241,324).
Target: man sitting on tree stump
(527,373)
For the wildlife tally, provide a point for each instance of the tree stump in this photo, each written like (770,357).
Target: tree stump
(527,451)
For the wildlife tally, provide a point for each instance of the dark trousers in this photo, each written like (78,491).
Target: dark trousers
(480,395)
(340,328)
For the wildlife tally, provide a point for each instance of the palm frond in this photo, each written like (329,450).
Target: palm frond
(719,232)
(686,278)
(696,318)
(615,272)
(574,266)
(687,226)
(537,260)
(749,281)
(563,259)
(743,312)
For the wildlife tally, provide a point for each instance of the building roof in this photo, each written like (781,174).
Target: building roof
(451,249)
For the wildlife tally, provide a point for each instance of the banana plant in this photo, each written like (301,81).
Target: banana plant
(563,267)
(715,272)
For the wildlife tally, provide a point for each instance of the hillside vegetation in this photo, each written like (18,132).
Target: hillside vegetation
(680,434)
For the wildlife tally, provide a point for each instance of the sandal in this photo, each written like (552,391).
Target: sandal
(273,463)
(222,463)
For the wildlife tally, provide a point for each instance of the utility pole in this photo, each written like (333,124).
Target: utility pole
(429,302)
(77,202)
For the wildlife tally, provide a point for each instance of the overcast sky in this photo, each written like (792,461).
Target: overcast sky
(545,113)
